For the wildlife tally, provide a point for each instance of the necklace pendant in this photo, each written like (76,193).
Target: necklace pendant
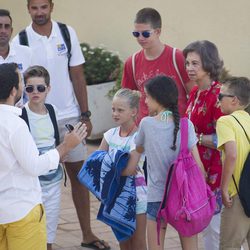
(165,114)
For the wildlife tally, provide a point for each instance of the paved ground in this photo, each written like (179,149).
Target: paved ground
(69,233)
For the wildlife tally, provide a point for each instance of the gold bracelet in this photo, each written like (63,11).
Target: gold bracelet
(200,138)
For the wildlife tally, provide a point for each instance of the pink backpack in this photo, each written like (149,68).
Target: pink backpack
(188,203)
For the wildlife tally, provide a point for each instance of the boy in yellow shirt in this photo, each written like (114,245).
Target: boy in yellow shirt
(234,97)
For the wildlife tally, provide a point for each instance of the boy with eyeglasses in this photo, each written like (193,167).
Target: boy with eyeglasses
(41,119)
(234,97)
(155,58)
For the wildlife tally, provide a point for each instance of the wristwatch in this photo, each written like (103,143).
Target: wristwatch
(86,115)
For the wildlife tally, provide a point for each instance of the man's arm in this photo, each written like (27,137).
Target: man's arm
(27,155)
(227,171)
(72,139)
(80,89)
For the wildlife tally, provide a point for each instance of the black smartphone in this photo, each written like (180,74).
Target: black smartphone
(69,127)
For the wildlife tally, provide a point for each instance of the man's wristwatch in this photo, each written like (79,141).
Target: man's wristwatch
(86,115)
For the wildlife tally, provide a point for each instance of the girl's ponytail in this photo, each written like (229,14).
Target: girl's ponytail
(176,116)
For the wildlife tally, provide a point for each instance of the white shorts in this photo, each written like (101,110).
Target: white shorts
(141,207)
(51,197)
(79,153)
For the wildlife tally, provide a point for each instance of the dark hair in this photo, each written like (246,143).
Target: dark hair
(240,87)
(163,89)
(208,52)
(149,16)
(4,12)
(36,71)
(28,2)
(8,79)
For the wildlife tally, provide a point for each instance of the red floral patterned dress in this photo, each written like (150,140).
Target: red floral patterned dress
(203,110)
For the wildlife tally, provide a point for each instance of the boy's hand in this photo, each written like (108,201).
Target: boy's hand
(72,139)
(227,200)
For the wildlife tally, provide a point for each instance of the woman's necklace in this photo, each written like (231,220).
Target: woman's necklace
(124,142)
(199,100)
(165,114)
(128,133)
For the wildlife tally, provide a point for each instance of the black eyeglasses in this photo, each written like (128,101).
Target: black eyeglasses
(220,96)
(145,34)
(40,88)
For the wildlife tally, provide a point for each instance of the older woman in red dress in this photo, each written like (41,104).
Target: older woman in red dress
(203,66)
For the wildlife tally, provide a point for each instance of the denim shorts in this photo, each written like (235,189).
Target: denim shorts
(152,210)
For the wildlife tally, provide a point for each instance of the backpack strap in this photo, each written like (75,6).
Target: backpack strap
(24,116)
(237,189)
(54,122)
(177,71)
(133,65)
(56,133)
(184,134)
(242,127)
(175,66)
(66,37)
(23,38)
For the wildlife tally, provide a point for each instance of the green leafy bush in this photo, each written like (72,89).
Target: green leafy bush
(101,65)
(117,84)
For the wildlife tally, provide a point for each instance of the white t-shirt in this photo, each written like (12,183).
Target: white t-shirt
(115,142)
(41,128)
(51,53)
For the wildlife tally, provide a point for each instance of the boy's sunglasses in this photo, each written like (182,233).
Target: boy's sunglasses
(40,88)
(145,34)
(220,96)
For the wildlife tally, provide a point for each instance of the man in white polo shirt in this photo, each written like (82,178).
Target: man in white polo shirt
(68,93)
(22,220)
(21,55)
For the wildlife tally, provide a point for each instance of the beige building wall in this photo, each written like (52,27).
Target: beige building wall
(110,22)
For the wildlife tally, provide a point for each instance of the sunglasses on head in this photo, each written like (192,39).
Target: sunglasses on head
(220,96)
(40,88)
(145,34)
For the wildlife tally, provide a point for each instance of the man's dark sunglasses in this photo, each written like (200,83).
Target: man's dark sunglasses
(40,88)
(220,96)
(145,34)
